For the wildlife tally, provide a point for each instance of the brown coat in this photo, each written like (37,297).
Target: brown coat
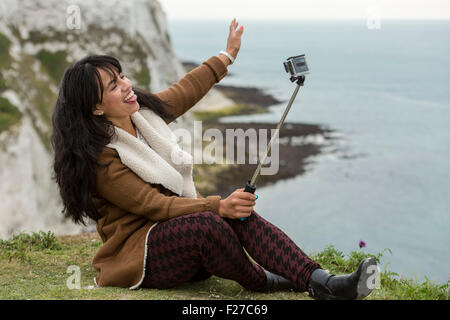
(129,206)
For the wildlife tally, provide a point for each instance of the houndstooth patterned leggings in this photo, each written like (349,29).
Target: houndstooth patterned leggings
(195,246)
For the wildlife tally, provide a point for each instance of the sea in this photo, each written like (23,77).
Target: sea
(386,92)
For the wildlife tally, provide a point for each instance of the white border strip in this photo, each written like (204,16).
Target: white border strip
(136,286)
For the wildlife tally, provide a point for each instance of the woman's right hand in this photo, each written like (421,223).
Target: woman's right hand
(239,204)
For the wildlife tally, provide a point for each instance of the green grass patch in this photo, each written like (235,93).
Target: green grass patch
(5,58)
(3,85)
(205,175)
(54,62)
(237,109)
(47,35)
(38,266)
(9,114)
(392,286)
(143,76)
(41,96)
(21,245)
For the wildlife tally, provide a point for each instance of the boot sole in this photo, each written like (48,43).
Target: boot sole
(365,286)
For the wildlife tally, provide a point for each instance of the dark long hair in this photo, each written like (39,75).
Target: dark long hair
(78,136)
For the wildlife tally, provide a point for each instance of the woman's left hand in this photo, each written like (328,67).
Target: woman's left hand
(234,38)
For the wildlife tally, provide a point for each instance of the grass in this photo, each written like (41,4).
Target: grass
(38,266)
(392,286)
(9,114)
(3,85)
(43,36)
(54,62)
(143,76)
(233,110)
(41,98)
(5,58)
(206,175)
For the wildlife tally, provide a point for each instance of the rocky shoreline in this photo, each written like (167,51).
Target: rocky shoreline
(248,95)
(298,144)
(240,95)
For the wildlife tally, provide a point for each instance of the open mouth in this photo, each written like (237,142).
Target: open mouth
(129,96)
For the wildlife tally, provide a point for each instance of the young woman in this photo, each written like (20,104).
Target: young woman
(114,163)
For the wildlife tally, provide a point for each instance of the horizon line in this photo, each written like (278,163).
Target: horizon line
(307,19)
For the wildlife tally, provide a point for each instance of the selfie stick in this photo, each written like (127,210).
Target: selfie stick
(251,184)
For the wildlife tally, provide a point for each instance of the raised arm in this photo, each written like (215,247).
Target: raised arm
(184,94)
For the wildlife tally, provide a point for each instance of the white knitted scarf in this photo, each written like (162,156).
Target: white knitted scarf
(160,160)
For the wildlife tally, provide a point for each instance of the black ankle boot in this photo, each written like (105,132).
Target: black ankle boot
(352,286)
(275,282)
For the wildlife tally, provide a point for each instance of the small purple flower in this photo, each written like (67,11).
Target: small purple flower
(362,244)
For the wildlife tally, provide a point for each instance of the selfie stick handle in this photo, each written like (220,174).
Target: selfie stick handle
(251,184)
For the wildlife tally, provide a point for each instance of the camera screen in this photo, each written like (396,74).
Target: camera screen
(300,64)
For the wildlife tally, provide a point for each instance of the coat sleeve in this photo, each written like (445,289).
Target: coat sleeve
(184,94)
(123,188)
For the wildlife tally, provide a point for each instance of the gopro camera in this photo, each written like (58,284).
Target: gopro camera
(296,66)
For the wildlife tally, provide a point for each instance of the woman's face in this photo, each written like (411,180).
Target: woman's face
(119,100)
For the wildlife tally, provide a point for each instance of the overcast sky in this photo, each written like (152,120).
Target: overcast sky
(306,9)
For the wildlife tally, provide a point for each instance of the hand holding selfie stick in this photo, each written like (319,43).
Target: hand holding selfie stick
(297,67)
